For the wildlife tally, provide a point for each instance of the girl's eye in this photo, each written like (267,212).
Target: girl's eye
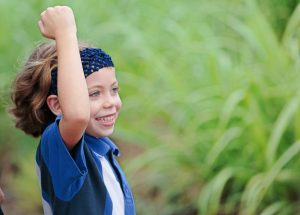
(115,89)
(94,94)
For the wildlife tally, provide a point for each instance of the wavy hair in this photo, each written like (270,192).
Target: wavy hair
(31,87)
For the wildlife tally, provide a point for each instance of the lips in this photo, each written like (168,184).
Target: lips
(107,120)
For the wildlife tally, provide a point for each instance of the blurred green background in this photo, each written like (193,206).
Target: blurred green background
(211,92)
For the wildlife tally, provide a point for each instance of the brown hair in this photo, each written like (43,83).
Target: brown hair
(31,88)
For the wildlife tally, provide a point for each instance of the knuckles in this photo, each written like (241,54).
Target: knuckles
(56,9)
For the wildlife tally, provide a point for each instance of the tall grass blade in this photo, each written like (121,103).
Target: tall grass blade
(273,208)
(259,184)
(210,196)
(280,126)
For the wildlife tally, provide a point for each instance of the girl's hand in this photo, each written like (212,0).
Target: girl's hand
(57,21)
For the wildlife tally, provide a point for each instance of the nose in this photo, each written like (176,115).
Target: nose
(108,102)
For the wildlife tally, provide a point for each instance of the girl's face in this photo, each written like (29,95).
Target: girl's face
(105,102)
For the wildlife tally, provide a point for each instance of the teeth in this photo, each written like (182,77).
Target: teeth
(106,119)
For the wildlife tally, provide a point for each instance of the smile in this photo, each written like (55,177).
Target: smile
(107,120)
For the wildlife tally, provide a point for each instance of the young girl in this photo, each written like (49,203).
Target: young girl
(69,95)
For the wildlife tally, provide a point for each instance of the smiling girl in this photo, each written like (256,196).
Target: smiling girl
(68,94)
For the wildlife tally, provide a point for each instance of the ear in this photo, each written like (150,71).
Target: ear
(53,104)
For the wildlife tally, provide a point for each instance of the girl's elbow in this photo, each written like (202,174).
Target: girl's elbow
(84,120)
(78,118)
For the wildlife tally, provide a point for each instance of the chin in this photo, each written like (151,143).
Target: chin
(104,133)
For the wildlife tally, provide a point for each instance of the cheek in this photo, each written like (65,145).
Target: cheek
(93,108)
(118,103)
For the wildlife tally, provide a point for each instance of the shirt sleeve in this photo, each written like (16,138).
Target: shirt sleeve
(67,171)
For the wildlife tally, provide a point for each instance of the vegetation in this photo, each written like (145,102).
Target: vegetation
(211,99)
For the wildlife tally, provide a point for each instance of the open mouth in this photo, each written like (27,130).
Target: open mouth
(107,120)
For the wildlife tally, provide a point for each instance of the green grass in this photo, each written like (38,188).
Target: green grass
(210,94)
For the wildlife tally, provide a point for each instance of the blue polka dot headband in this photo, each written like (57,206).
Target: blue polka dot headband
(92,60)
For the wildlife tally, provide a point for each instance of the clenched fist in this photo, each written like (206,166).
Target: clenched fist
(57,21)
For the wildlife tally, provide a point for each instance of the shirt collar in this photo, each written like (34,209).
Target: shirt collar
(101,145)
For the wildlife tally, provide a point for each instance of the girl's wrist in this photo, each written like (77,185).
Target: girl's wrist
(66,35)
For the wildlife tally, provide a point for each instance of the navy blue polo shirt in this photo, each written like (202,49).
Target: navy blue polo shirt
(72,181)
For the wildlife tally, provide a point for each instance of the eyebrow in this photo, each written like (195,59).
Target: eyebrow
(100,86)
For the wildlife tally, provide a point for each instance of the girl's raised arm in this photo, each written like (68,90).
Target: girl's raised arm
(58,23)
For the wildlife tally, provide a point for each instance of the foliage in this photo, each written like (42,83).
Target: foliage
(210,94)
(221,117)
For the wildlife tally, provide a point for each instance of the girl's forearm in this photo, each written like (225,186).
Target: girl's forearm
(72,89)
